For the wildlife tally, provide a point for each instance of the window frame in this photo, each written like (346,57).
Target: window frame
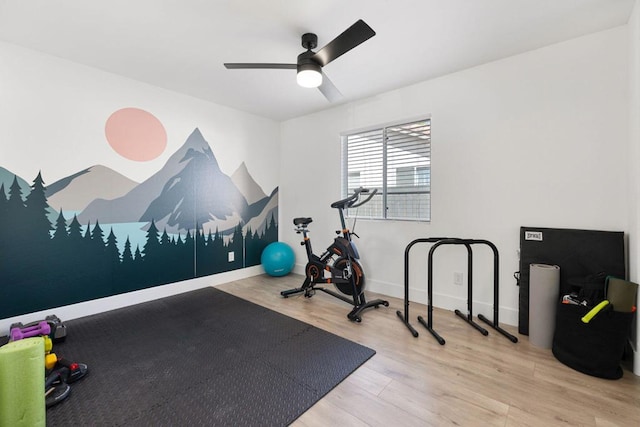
(384,175)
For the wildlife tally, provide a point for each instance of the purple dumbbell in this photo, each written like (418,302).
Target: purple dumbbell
(42,328)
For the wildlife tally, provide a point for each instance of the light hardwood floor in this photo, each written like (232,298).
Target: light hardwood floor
(473,380)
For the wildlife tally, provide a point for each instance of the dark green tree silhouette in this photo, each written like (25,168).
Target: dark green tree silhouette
(113,254)
(152,247)
(99,266)
(60,233)
(182,258)
(36,213)
(127,256)
(15,200)
(16,214)
(164,239)
(20,255)
(201,254)
(127,278)
(137,254)
(97,237)
(87,234)
(75,232)
(60,252)
(271,231)
(3,207)
(111,263)
(254,247)
(186,256)
(152,263)
(4,223)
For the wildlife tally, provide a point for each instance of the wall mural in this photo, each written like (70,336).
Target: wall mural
(97,233)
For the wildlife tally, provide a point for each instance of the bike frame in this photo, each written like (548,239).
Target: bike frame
(339,260)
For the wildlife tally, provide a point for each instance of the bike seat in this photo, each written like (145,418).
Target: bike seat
(302,221)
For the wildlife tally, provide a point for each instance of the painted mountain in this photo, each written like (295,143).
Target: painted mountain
(75,192)
(97,233)
(250,189)
(198,194)
(189,192)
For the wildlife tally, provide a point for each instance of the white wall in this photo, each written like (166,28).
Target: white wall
(53,112)
(52,118)
(537,139)
(634,161)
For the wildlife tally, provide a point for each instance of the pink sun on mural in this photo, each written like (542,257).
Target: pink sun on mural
(135,134)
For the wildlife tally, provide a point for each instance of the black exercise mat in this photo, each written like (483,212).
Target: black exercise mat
(200,358)
(578,253)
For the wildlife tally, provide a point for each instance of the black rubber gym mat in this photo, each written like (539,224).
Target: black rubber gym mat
(200,358)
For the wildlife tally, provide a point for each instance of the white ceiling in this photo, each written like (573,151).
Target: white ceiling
(181,44)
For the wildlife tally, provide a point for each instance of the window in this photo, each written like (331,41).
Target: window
(396,160)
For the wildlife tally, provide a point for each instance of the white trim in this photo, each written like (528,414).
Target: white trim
(385,125)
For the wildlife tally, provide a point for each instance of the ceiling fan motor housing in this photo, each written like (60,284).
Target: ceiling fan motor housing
(309,72)
(305,62)
(309,41)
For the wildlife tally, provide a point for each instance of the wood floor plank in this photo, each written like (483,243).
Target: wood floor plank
(448,404)
(327,413)
(368,379)
(472,380)
(373,410)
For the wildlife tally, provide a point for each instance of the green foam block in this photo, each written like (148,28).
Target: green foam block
(621,294)
(22,383)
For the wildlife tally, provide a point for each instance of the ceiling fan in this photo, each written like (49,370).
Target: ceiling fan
(309,64)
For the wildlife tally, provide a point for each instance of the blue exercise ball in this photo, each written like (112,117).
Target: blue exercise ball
(278,259)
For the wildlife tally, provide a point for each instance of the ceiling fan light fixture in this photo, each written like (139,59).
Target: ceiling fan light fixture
(309,75)
(309,64)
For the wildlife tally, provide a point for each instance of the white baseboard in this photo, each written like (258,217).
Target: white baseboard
(87,308)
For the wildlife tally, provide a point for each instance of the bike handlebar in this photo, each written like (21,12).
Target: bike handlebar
(352,200)
(369,197)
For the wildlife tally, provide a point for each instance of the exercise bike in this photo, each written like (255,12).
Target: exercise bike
(339,262)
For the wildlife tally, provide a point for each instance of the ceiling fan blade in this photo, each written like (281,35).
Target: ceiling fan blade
(329,90)
(242,65)
(350,38)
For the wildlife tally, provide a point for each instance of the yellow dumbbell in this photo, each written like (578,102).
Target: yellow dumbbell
(50,360)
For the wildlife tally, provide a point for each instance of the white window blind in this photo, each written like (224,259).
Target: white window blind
(396,160)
